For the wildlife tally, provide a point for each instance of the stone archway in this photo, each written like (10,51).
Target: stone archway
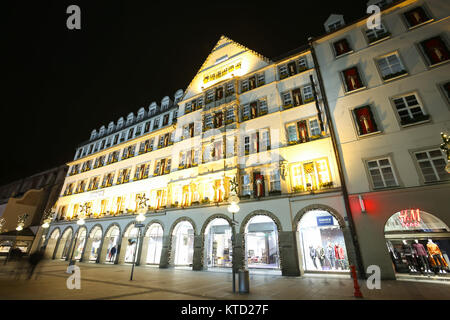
(52,243)
(104,251)
(348,251)
(201,251)
(79,244)
(64,243)
(152,243)
(90,243)
(167,258)
(130,244)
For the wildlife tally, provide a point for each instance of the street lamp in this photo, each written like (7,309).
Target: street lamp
(233,208)
(141,201)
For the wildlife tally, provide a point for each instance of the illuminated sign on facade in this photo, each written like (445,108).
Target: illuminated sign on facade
(222,72)
(410,218)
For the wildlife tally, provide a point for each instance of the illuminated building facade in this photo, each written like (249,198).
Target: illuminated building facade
(245,125)
(389,96)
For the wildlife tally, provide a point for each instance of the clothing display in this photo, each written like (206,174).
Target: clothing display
(321,255)
(313,254)
(420,249)
(331,256)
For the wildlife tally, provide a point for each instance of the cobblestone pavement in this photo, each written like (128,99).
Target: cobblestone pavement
(99,281)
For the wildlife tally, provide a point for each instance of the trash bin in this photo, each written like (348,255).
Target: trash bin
(244,282)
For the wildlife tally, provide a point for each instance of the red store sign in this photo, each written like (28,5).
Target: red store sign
(410,218)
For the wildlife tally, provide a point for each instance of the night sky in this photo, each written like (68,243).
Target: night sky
(59,84)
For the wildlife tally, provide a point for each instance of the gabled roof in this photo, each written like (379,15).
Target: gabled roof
(221,43)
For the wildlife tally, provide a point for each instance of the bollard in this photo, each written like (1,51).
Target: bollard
(357,292)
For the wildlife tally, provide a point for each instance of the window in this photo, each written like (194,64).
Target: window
(141,171)
(207,122)
(340,47)
(252,82)
(352,79)
(283,72)
(156,123)
(229,89)
(116,139)
(93,183)
(108,180)
(188,159)
(229,116)
(218,119)
(432,165)
(293,67)
(302,64)
(275,186)
(69,189)
(209,96)
(390,66)
(258,185)
(364,120)
(219,93)
(308,94)
(262,107)
(311,175)
(303,131)
(162,166)
(409,109)
(257,141)
(187,107)
(376,34)
(416,17)
(246,186)
(381,173)
(165,120)
(130,133)
(334,26)
(147,127)
(435,50)
(287,101)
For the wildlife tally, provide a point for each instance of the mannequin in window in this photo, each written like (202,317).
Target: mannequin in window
(410,256)
(313,255)
(436,256)
(259,186)
(422,256)
(331,256)
(321,256)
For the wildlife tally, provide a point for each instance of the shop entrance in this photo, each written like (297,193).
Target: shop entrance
(261,243)
(132,244)
(79,244)
(96,236)
(418,244)
(66,241)
(112,238)
(183,244)
(218,247)
(51,244)
(322,243)
(155,241)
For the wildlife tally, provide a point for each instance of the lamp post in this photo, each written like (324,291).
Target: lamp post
(141,201)
(233,208)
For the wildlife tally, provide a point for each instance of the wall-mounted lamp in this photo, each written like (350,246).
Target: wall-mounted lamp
(361,203)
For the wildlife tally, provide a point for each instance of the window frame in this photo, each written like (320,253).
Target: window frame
(424,55)
(400,74)
(361,78)
(427,13)
(355,124)
(419,170)
(378,40)
(394,170)
(427,116)
(333,47)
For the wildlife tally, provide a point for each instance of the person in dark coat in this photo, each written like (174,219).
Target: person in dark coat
(34,260)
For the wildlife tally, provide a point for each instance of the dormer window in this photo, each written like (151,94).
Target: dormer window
(334,26)
(416,17)
(341,47)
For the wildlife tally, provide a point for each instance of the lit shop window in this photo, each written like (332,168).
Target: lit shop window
(435,50)
(416,17)
(391,66)
(341,47)
(352,79)
(409,109)
(120,205)
(432,165)
(381,173)
(303,131)
(158,198)
(365,120)
(311,175)
(376,34)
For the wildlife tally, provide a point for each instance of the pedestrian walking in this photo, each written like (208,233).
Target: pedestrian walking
(34,260)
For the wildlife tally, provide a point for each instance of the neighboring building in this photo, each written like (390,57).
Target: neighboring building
(244,121)
(388,91)
(33,196)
